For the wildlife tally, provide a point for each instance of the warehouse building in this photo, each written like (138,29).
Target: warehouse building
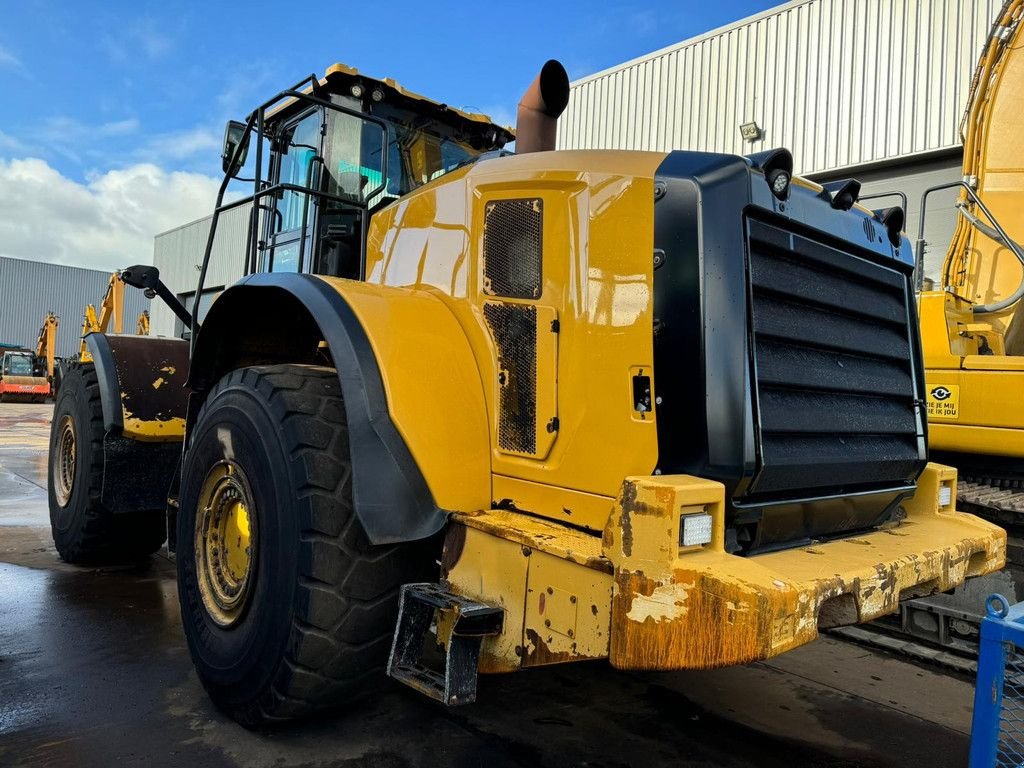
(30,289)
(869,89)
(178,254)
(866,89)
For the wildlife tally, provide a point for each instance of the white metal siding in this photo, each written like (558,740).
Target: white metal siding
(840,83)
(178,255)
(30,289)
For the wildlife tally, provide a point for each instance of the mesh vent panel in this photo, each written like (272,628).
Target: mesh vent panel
(512,247)
(514,328)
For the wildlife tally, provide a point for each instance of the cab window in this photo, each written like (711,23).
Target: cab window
(298,147)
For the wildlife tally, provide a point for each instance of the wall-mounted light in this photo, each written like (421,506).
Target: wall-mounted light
(750,131)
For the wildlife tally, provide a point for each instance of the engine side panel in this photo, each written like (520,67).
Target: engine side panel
(563,418)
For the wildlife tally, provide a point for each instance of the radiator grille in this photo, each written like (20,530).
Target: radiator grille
(514,328)
(836,403)
(513,249)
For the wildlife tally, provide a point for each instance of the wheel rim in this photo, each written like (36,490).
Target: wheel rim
(225,543)
(64,464)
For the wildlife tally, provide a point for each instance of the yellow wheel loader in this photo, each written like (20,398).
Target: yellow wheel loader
(475,411)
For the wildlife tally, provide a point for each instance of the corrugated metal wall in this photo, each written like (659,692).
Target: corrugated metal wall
(30,289)
(839,82)
(179,253)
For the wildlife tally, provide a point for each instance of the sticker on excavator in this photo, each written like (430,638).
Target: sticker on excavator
(944,401)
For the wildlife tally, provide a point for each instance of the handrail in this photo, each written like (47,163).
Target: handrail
(980,309)
(256,121)
(901,195)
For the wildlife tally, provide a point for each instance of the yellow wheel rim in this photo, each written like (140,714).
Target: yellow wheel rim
(225,542)
(64,461)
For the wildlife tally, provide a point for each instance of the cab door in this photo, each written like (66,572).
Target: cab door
(291,224)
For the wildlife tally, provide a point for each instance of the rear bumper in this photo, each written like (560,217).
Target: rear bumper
(705,608)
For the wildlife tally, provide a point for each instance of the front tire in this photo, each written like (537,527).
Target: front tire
(84,530)
(287,607)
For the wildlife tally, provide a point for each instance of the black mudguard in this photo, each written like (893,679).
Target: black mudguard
(268,318)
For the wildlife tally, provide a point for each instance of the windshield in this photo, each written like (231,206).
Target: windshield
(356,161)
(415,156)
(17,365)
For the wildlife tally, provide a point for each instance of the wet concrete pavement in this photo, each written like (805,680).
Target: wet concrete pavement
(94,672)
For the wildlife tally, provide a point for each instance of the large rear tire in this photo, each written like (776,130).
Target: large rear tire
(84,531)
(287,607)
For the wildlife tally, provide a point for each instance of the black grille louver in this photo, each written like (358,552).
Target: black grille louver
(836,401)
(514,329)
(787,363)
(513,247)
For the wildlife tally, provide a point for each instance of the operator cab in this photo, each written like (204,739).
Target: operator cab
(16,364)
(339,150)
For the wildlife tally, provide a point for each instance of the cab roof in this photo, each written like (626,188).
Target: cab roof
(340,76)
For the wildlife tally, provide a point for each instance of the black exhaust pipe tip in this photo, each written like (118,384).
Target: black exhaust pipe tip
(554,87)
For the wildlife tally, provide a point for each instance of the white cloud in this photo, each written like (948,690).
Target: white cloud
(116,143)
(179,145)
(144,37)
(69,130)
(12,63)
(8,59)
(106,223)
(10,144)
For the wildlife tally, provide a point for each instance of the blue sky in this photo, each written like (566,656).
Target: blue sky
(105,97)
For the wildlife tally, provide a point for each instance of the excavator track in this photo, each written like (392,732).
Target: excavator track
(999,499)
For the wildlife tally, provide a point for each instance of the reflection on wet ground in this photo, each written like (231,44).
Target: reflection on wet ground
(94,672)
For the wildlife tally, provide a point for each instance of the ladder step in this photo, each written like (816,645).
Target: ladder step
(459,625)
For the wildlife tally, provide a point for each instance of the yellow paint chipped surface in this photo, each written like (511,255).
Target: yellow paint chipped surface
(666,602)
(707,608)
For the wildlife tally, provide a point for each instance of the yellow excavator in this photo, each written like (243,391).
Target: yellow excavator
(474,411)
(972,323)
(110,317)
(31,375)
(46,351)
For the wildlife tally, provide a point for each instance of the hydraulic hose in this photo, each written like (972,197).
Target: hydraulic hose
(1007,242)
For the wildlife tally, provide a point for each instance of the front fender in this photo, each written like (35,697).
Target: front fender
(413,398)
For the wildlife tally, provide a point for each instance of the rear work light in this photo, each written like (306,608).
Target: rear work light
(945,495)
(694,529)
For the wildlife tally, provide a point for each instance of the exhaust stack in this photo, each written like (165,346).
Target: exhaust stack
(537,118)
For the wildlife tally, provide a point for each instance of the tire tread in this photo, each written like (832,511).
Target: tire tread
(102,536)
(332,612)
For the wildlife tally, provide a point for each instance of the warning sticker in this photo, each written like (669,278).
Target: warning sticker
(944,401)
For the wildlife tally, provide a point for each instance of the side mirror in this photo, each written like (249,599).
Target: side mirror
(236,139)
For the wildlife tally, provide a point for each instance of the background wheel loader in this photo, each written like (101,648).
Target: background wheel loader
(665,409)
